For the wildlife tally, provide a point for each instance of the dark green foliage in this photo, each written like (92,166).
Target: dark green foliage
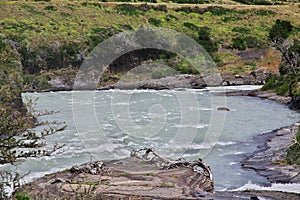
(154,21)
(191,26)
(135,10)
(190,9)
(100,34)
(184,67)
(295,48)
(53,56)
(51,8)
(204,39)
(293,152)
(42,0)
(150,1)
(2,45)
(147,7)
(280,84)
(281,29)
(128,9)
(218,10)
(254,42)
(162,8)
(239,43)
(21,196)
(189,1)
(254,2)
(64,14)
(125,27)
(231,18)
(242,30)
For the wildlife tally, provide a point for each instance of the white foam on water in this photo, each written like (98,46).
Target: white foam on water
(198,126)
(237,87)
(288,187)
(200,146)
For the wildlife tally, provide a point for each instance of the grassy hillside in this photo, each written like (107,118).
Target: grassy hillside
(49,35)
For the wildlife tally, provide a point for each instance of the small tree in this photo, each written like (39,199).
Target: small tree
(289,49)
(16,139)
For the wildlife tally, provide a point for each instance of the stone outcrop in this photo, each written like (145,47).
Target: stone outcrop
(269,159)
(256,77)
(147,176)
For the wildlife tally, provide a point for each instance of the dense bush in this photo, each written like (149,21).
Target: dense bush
(241,30)
(190,9)
(254,2)
(239,43)
(218,10)
(154,21)
(204,39)
(281,29)
(53,56)
(52,8)
(254,42)
(191,26)
(280,84)
(293,152)
(189,1)
(135,10)
(128,9)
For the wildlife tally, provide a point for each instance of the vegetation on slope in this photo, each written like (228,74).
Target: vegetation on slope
(42,39)
(293,152)
(49,36)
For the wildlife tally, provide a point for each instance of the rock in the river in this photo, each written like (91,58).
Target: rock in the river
(223,108)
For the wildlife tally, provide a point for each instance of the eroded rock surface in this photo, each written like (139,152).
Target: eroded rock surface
(134,177)
(269,159)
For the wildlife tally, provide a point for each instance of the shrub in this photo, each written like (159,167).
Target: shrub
(242,30)
(281,29)
(293,152)
(189,1)
(128,9)
(21,196)
(205,40)
(239,43)
(231,18)
(254,2)
(190,9)
(218,10)
(191,26)
(52,8)
(279,84)
(154,21)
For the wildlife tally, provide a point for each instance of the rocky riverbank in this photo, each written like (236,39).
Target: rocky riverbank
(256,77)
(134,178)
(270,158)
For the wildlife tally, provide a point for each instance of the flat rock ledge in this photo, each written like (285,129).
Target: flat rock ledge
(268,160)
(268,94)
(135,177)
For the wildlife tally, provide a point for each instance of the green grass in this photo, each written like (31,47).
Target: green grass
(74,26)
(293,152)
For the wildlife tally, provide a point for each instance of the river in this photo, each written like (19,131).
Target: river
(178,123)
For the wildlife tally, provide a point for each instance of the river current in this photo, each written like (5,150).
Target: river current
(177,123)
